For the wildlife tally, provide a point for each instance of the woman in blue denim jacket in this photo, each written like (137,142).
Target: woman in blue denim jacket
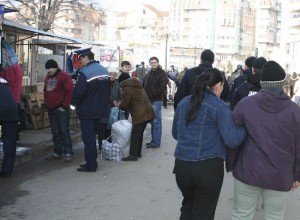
(203,126)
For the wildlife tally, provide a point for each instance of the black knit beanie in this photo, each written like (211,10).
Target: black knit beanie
(51,64)
(273,75)
(249,61)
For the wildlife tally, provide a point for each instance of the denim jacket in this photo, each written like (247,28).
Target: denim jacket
(208,135)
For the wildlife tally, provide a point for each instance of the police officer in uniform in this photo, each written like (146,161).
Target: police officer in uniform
(91,98)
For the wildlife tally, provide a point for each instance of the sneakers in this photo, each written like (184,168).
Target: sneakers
(53,156)
(68,158)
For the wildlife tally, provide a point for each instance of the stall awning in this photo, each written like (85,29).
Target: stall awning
(9,25)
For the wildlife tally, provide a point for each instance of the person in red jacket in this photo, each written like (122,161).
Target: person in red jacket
(58,92)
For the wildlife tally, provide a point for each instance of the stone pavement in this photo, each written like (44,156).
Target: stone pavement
(40,142)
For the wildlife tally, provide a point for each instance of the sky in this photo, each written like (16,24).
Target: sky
(127,4)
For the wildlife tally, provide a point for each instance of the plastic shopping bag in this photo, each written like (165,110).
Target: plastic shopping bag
(111,151)
(115,115)
(121,134)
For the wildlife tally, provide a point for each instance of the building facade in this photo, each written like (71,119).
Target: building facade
(268,28)
(290,41)
(225,26)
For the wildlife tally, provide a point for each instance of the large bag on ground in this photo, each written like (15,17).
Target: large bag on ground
(121,134)
(111,151)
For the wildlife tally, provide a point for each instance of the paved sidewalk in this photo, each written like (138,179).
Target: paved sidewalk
(40,142)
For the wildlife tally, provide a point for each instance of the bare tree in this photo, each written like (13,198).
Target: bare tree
(43,13)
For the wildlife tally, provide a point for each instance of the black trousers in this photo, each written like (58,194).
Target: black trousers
(200,184)
(165,100)
(9,135)
(102,132)
(137,139)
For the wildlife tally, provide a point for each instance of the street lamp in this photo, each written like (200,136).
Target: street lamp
(167,36)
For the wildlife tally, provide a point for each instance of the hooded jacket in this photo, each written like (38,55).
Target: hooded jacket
(270,156)
(187,82)
(135,99)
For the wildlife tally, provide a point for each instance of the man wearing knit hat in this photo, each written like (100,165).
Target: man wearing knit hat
(268,162)
(252,85)
(58,92)
(247,72)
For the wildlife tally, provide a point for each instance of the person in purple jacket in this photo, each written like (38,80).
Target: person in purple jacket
(268,162)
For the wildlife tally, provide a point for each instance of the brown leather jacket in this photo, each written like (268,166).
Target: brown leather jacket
(135,100)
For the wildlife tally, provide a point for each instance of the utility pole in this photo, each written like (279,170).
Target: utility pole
(195,55)
(166,51)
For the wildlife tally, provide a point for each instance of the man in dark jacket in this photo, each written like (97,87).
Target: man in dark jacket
(187,81)
(58,92)
(268,162)
(125,69)
(247,72)
(91,98)
(9,118)
(156,86)
(252,85)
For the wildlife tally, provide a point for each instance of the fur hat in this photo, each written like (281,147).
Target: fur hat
(273,75)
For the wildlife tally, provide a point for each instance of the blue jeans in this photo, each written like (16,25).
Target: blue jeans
(156,126)
(59,122)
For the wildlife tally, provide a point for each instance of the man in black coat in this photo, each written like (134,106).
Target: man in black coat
(252,85)
(186,84)
(9,118)
(247,72)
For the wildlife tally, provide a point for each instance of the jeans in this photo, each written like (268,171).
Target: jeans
(200,183)
(156,126)
(59,122)
(9,135)
(88,132)
(246,198)
(137,139)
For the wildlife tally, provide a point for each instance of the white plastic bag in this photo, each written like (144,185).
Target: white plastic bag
(121,134)
(111,151)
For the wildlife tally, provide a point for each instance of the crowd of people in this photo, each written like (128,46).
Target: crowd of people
(247,120)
